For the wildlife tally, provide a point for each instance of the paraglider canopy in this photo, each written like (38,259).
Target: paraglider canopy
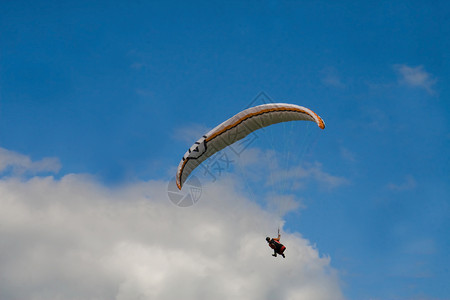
(237,128)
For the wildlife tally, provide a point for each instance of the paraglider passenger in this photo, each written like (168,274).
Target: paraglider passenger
(278,248)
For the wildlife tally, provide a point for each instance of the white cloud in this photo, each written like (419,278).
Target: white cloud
(348,155)
(190,133)
(421,246)
(76,239)
(415,77)
(299,175)
(19,164)
(292,172)
(408,183)
(330,77)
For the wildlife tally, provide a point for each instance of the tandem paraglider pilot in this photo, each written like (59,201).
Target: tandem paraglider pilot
(278,248)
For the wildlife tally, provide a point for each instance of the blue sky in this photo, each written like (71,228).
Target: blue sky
(107,89)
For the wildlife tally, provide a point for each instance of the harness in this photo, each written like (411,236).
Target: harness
(275,245)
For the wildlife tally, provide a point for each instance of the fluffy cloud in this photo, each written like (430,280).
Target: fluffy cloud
(73,238)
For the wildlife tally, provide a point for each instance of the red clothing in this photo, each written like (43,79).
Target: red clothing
(277,246)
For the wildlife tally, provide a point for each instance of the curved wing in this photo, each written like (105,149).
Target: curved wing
(238,127)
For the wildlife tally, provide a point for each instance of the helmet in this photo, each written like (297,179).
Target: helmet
(268,239)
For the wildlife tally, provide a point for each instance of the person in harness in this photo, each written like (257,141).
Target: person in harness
(278,248)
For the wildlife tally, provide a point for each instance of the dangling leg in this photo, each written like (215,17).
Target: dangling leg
(282,251)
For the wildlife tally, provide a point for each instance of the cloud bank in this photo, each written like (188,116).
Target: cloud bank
(73,238)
